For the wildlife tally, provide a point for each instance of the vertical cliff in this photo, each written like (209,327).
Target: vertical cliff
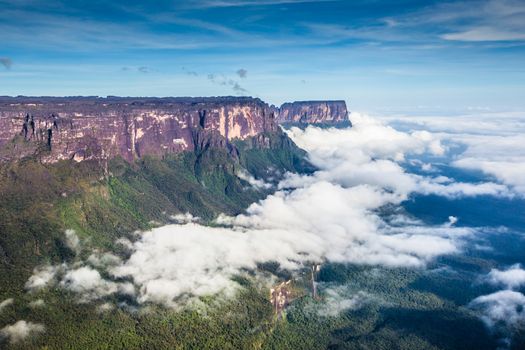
(83,128)
(332,113)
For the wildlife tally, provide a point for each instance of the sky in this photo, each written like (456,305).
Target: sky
(377,55)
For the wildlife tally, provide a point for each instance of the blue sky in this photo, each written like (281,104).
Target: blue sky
(377,55)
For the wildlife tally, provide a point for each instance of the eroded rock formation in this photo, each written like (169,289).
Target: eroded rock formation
(314,112)
(80,128)
(91,127)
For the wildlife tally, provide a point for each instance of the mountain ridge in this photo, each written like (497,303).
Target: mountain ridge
(81,128)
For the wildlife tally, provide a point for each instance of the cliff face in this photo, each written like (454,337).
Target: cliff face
(314,112)
(83,128)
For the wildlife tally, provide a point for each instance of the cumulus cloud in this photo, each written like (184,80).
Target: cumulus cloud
(105,307)
(86,281)
(180,261)
(124,242)
(21,330)
(513,277)
(506,308)
(89,284)
(37,303)
(6,303)
(506,171)
(503,311)
(323,221)
(72,240)
(492,142)
(42,277)
(103,260)
(372,153)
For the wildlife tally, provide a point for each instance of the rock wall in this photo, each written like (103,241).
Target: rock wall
(314,112)
(84,127)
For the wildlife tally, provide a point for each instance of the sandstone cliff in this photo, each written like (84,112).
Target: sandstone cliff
(314,112)
(90,127)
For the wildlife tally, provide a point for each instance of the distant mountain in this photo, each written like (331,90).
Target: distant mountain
(80,128)
(321,113)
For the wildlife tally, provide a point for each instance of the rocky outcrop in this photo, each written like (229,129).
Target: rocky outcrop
(91,127)
(314,112)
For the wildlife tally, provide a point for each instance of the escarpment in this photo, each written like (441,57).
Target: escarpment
(329,113)
(80,128)
(83,128)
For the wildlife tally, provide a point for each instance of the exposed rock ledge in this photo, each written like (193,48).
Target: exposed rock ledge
(86,127)
(330,113)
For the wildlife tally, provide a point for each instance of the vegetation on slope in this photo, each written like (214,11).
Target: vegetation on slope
(39,201)
(407,309)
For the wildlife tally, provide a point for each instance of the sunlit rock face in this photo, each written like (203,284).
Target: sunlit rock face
(90,127)
(314,112)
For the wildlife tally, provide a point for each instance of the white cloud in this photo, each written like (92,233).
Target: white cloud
(42,277)
(485,34)
(330,215)
(492,20)
(20,331)
(503,311)
(185,218)
(6,303)
(244,3)
(72,240)
(513,277)
(105,307)
(103,260)
(259,184)
(337,300)
(89,283)
(178,261)
(126,243)
(37,303)
(371,152)
(493,143)
(427,167)
(505,307)
(322,221)
(508,172)
(86,281)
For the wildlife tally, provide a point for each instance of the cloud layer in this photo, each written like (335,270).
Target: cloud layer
(492,142)
(505,308)
(5,303)
(331,215)
(513,277)
(20,330)
(503,311)
(372,153)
